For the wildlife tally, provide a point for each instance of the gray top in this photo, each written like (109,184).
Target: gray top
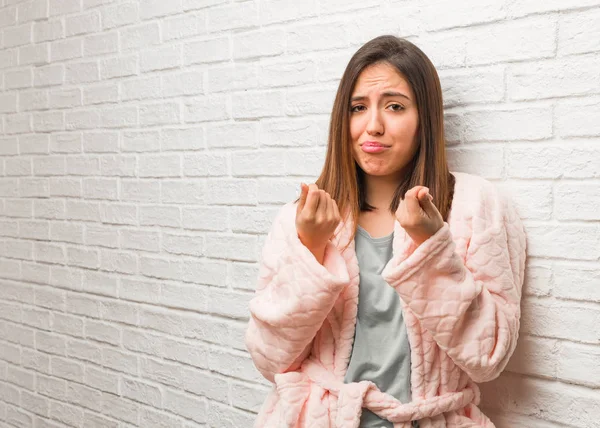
(381,352)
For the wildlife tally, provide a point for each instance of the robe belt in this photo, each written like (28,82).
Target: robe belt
(294,388)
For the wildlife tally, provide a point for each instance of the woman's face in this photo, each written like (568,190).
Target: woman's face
(383,121)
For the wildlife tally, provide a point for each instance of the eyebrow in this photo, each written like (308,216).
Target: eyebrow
(385,94)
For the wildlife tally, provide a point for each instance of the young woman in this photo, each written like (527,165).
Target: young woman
(392,285)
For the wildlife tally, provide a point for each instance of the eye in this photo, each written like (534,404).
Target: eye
(356,108)
(396,107)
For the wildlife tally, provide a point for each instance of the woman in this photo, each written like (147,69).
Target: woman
(392,285)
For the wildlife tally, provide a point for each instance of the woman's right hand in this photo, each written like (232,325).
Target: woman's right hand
(317,217)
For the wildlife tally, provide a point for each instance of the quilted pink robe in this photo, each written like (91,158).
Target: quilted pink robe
(460,292)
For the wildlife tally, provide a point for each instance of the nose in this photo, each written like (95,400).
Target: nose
(375,125)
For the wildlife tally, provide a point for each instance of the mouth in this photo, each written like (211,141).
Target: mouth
(373,147)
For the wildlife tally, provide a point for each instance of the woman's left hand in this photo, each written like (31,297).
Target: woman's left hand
(418,215)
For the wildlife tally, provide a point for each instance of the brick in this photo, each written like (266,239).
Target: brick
(139,240)
(160,268)
(101,142)
(140,36)
(252,220)
(258,104)
(194,297)
(554,78)
(114,310)
(527,7)
(17,124)
(33,10)
(118,166)
(120,15)
(183,26)
(119,408)
(572,119)
(139,291)
(311,101)
(66,232)
(118,67)
(20,166)
(83,350)
(206,218)
(66,413)
(232,135)
(102,380)
(60,7)
(185,405)
(141,391)
(187,353)
(203,109)
(17,417)
(82,119)
(141,88)
(50,298)
(576,282)
(232,17)
(120,361)
(572,40)
(84,23)
(49,165)
(83,72)
(560,320)
(118,214)
(119,117)
(102,332)
(184,83)
(165,321)
(182,244)
(34,54)
(162,371)
(157,419)
(67,324)
(36,361)
(258,163)
(18,35)
(160,58)
(160,215)
(100,188)
(184,192)
(232,191)
(315,37)
(99,282)
(49,253)
(69,142)
(101,236)
(206,51)
(248,397)
(48,121)
(52,387)
(44,31)
(37,99)
(160,114)
(62,50)
(528,124)
(204,165)
(575,201)
(549,161)
(261,43)
(140,191)
(18,79)
(20,377)
(101,44)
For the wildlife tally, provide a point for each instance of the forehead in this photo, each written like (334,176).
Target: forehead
(379,77)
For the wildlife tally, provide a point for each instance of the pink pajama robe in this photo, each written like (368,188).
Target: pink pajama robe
(460,292)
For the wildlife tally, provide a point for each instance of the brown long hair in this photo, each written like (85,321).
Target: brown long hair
(341,176)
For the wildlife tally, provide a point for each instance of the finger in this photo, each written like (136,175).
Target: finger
(312,200)
(428,206)
(412,203)
(303,195)
(322,211)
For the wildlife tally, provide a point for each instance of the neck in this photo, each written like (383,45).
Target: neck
(380,191)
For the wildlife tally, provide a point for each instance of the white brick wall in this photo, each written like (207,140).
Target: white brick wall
(146,146)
